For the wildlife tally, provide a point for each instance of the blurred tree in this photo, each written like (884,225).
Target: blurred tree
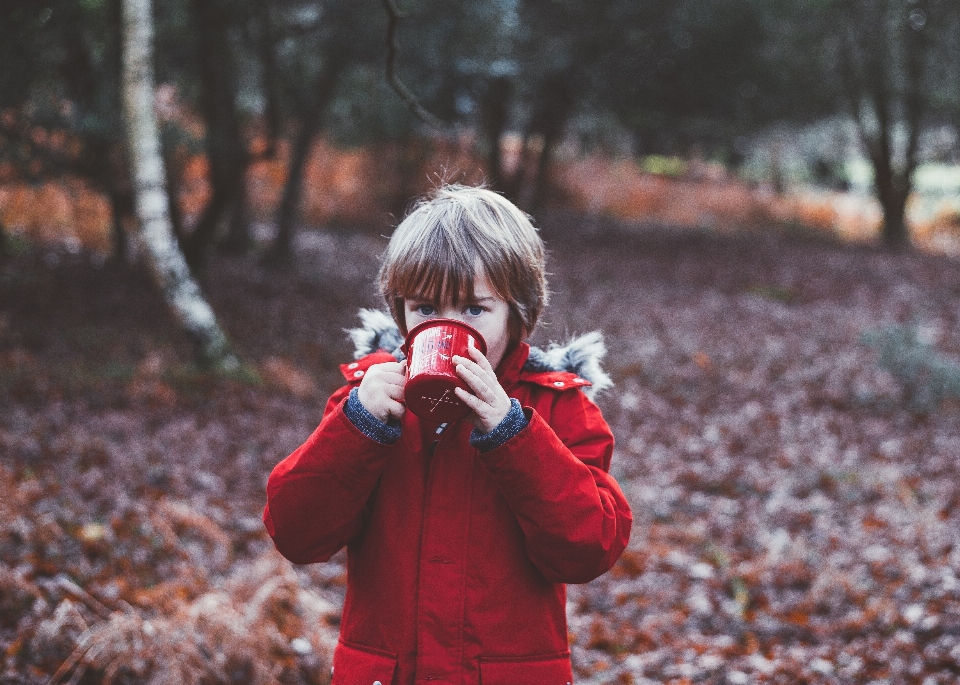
(340,38)
(683,74)
(59,91)
(227,152)
(677,74)
(685,77)
(167,263)
(883,62)
(413,104)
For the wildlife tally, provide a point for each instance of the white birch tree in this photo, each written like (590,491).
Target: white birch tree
(166,261)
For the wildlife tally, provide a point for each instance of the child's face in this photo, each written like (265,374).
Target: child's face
(488,313)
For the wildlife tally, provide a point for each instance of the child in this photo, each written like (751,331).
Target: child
(459,537)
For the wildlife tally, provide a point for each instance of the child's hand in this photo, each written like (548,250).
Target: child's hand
(381,390)
(489,402)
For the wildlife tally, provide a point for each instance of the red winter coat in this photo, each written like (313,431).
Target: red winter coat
(456,563)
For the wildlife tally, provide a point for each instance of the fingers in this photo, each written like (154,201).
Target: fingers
(472,401)
(479,358)
(481,370)
(381,390)
(390,369)
(486,415)
(393,380)
(395,409)
(478,381)
(489,400)
(393,391)
(391,373)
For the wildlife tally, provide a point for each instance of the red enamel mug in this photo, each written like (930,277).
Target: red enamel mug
(431,375)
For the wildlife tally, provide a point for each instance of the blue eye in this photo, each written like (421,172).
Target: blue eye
(425,310)
(475,310)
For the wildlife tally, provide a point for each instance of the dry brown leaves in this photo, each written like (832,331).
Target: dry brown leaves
(794,523)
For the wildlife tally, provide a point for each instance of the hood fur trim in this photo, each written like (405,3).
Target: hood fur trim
(378,331)
(580,356)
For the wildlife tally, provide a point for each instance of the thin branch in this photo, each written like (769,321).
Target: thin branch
(63,582)
(916,44)
(412,103)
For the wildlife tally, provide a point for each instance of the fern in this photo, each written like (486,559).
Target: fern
(927,377)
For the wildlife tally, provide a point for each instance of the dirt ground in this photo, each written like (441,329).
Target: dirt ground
(797,515)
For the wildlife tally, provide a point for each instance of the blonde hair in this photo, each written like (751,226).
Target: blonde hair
(435,252)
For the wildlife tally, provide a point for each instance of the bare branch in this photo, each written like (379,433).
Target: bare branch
(916,44)
(413,104)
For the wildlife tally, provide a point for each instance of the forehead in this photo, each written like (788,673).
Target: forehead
(477,289)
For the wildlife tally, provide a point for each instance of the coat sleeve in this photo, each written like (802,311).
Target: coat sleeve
(575,519)
(317,496)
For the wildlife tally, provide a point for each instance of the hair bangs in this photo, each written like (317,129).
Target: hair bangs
(450,239)
(441,268)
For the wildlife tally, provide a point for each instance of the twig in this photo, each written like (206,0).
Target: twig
(419,110)
(71,588)
(74,662)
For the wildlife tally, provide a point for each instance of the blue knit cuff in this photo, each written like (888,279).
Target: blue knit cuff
(514,422)
(367,423)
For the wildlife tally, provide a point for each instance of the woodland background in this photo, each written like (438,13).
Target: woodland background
(757,202)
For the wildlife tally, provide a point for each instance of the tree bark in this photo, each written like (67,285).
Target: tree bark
(892,191)
(871,88)
(265,46)
(226,149)
(238,239)
(494,110)
(288,215)
(171,168)
(169,268)
(556,104)
(120,209)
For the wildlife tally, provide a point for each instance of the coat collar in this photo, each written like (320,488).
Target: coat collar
(508,372)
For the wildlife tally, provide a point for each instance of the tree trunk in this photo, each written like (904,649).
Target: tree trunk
(288,215)
(556,105)
(226,149)
(493,121)
(895,234)
(266,44)
(892,192)
(120,208)
(163,254)
(882,100)
(892,183)
(238,239)
(116,181)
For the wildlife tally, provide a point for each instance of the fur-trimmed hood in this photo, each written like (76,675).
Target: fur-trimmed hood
(580,355)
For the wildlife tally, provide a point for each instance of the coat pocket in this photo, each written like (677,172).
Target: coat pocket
(362,666)
(538,670)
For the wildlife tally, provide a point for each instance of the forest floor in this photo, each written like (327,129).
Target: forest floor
(797,514)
